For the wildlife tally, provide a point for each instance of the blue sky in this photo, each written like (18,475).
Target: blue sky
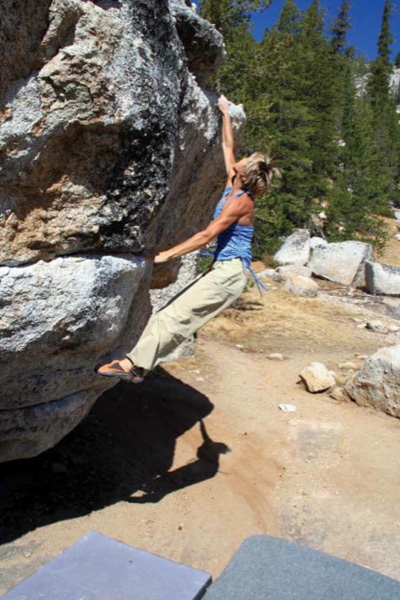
(366,17)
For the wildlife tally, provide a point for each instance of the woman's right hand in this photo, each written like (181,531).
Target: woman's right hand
(223,104)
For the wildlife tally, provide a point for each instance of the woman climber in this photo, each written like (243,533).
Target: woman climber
(233,223)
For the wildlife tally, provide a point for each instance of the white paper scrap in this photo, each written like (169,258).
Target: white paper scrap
(287,407)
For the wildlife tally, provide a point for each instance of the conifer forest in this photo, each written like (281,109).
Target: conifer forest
(330,117)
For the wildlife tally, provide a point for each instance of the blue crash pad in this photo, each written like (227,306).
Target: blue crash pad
(100,568)
(266,568)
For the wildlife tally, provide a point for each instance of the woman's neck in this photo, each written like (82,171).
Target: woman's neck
(237,184)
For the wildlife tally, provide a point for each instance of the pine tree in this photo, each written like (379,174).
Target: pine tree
(385,118)
(341,55)
(301,91)
(397,61)
(341,28)
(381,68)
(288,130)
(288,21)
(320,90)
(228,16)
(359,193)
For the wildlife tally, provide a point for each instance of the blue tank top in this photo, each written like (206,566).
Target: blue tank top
(235,241)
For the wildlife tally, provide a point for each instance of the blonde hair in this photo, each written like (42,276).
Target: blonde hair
(259,172)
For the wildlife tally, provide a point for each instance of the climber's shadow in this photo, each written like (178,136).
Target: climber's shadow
(121,452)
(204,467)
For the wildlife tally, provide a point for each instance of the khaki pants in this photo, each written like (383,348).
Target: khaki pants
(193,307)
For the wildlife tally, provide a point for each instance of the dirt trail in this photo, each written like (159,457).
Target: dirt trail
(200,457)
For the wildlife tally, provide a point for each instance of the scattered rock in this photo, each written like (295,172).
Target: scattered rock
(343,378)
(290,270)
(270,274)
(361,356)
(382,279)
(296,249)
(341,262)
(397,236)
(317,378)
(349,366)
(378,327)
(317,241)
(339,394)
(377,384)
(397,215)
(275,356)
(301,286)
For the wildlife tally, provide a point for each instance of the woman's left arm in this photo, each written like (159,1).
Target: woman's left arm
(232,212)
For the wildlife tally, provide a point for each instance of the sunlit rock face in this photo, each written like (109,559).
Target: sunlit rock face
(109,148)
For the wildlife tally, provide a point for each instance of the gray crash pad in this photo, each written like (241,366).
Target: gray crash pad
(266,568)
(100,568)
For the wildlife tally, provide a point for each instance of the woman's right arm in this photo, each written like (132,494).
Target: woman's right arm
(227,139)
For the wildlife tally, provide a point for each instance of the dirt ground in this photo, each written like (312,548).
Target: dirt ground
(199,457)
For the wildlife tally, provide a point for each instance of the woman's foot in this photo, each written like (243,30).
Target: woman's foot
(122,369)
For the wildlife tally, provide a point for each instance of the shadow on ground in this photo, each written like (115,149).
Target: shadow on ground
(125,446)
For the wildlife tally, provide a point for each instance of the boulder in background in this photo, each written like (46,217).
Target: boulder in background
(341,262)
(296,249)
(378,382)
(301,286)
(382,279)
(292,271)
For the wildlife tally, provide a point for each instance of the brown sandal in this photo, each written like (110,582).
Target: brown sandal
(114,369)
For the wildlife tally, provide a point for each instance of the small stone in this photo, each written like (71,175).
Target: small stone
(343,378)
(275,356)
(301,286)
(393,328)
(339,394)
(270,274)
(378,327)
(349,366)
(317,378)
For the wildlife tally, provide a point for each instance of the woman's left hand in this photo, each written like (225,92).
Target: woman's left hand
(161,257)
